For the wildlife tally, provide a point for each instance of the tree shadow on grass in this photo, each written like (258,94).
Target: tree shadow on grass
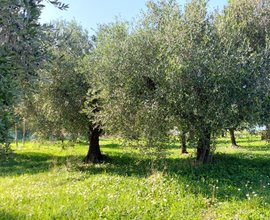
(113,146)
(227,171)
(237,173)
(246,140)
(84,143)
(6,216)
(223,141)
(29,163)
(238,140)
(265,147)
(224,166)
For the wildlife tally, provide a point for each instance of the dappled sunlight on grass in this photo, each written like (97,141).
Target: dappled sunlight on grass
(45,181)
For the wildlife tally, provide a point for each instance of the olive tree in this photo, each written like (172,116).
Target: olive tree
(219,77)
(129,77)
(246,21)
(56,110)
(21,51)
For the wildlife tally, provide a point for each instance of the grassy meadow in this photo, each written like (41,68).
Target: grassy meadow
(44,181)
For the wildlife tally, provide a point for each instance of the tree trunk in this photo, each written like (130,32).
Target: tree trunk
(233,137)
(16,135)
(223,133)
(266,134)
(203,148)
(24,125)
(183,143)
(94,155)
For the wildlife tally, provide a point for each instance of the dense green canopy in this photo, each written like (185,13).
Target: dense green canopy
(170,69)
(23,48)
(210,70)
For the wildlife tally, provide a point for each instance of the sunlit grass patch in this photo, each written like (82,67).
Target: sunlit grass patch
(48,182)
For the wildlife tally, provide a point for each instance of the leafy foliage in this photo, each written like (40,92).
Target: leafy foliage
(23,47)
(209,72)
(56,108)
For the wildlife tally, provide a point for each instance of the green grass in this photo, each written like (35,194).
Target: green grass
(47,182)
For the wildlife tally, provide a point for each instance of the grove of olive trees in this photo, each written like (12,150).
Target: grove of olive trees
(210,69)
(193,70)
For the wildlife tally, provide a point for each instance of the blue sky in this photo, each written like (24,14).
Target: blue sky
(89,13)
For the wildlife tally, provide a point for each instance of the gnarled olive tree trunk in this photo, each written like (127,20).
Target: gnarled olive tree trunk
(183,143)
(266,133)
(223,133)
(233,138)
(94,155)
(203,147)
